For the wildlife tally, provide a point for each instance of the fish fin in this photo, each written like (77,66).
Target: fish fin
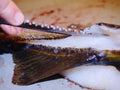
(39,62)
(32,65)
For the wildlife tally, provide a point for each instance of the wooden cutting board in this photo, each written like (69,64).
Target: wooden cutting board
(66,12)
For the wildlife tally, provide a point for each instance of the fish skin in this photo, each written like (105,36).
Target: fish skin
(36,62)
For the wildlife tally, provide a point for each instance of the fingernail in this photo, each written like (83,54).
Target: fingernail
(19,18)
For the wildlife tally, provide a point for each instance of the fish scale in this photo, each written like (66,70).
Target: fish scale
(44,27)
(56,29)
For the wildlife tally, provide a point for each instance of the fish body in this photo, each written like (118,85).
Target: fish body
(39,56)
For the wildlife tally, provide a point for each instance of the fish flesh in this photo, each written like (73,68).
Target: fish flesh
(96,77)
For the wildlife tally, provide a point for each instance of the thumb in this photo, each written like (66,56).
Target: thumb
(10,12)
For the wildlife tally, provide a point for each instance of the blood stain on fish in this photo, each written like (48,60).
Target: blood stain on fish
(96,6)
(33,18)
(59,9)
(103,1)
(56,21)
(66,17)
(46,13)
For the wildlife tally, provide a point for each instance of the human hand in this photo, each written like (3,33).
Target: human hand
(12,14)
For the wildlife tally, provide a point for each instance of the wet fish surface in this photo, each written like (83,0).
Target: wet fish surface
(39,58)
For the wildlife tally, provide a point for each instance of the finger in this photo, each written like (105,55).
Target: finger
(11,13)
(11,30)
(4,4)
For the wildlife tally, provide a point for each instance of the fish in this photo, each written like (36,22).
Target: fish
(38,55)
(94,77)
